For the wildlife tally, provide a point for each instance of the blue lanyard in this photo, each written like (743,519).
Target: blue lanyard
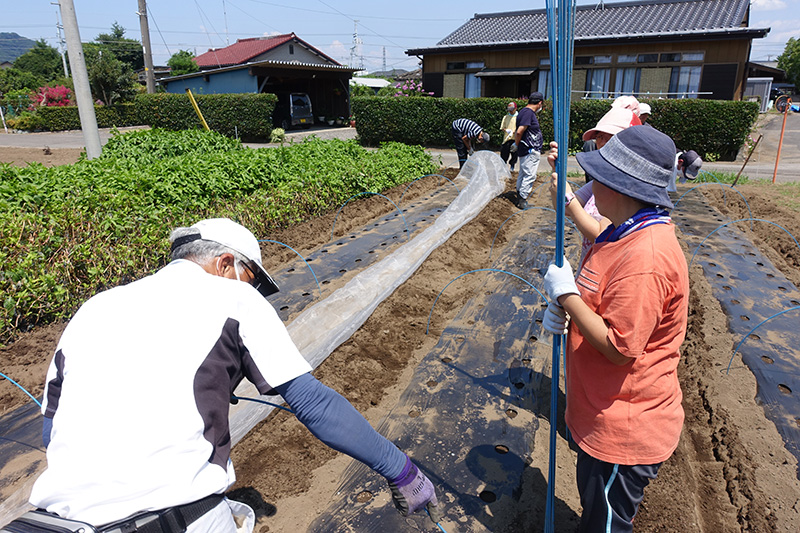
(641,219)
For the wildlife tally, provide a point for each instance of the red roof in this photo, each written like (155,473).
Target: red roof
(242,51)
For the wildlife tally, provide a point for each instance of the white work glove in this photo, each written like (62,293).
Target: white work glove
(471,150)
(556,320)
(513,148)
(560,281)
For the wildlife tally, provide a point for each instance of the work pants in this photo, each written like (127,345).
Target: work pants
(528,165)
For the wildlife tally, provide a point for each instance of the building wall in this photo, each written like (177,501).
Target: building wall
(654,76)
(292,52)
(233,81)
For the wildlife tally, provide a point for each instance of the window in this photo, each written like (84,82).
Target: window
(459,65)
(583,60)
(544,83)
(684,82)
(544,62)
(694,56)
(597,82)
(670,58)
(627,81)
(647,58)
(474,64)
(600,60)
(291,49)
(472,86)
(626,58)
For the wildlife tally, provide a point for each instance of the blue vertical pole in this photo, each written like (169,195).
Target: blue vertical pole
(560,32)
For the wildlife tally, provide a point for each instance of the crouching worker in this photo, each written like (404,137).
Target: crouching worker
(137,395)
(628,316)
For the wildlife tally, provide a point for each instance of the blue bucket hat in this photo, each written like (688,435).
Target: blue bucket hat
(637,162)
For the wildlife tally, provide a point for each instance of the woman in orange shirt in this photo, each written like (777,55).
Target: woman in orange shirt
(628,313)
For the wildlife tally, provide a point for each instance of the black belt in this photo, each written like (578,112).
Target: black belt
(172,520)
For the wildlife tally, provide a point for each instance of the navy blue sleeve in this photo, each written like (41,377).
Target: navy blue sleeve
(47,429)
(334,421)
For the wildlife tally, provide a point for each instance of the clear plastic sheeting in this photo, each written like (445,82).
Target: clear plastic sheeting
(319,330)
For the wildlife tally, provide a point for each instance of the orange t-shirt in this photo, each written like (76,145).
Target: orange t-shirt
(630,414)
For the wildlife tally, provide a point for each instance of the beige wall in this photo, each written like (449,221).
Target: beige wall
(715,52)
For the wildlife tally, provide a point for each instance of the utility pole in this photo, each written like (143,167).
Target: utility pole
(384,60)
(148,53)
(80,78)
(61,47)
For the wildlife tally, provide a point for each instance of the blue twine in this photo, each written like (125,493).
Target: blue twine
(256,400)
(723,190)
(300,256)
(427,328)
(491,250)
(408,233)
(735,221)
(437,523)
(22,389)
(752,330)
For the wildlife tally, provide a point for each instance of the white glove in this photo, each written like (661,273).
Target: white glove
(560,281)
(556,320)
(471,150)
(513,148)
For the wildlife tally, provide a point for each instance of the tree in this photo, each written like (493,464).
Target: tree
(128,51)
(182,62)
(42,60)
(789,61)
(14,79)
(110,79)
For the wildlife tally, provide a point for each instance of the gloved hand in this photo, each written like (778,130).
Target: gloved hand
(556,320)
(513,148)
(412,491)
(471,150)
(559,281)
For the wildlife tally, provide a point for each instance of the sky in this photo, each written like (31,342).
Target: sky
(384,29)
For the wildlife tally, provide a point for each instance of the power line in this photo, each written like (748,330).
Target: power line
(337,12)
(159,30)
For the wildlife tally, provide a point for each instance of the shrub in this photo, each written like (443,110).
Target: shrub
(278,135)
(68,118)
(58,96)
(713,128)
(248,116)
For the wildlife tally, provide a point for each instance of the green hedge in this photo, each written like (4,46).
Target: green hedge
(715,129)
(67,118)
(247,115)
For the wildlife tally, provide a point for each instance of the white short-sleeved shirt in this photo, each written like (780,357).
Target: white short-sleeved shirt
(139,390)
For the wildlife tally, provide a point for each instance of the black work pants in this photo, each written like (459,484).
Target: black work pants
(505,152)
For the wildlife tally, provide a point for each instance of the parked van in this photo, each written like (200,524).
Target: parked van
(293,109)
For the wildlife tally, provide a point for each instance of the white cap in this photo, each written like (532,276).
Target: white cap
(644,109)
(228,233)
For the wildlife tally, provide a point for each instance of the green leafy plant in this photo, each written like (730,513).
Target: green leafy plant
(278,135)
(67,232)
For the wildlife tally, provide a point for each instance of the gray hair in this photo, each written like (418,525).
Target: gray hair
(202,251)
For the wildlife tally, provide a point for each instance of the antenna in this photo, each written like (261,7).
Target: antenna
(61,42)
(225,15)
(355,49)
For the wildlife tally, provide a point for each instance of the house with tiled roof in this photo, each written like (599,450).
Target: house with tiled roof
(278,64)
(653,48)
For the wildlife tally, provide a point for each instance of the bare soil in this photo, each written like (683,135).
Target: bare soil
(731,471)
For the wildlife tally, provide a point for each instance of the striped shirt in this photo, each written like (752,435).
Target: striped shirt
(465,126)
